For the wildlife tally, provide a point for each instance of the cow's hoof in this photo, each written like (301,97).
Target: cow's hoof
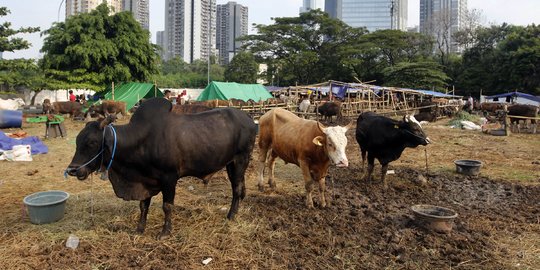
(261,188)
(139,230)
(164,235)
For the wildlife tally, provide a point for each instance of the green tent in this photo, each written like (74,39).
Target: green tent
(132,92)
(226,90)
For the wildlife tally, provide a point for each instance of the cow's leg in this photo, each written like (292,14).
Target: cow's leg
(236,171)
(308,181)
(322,190)
(263,153)
(384,169)
(168,190)
(143,205)
(272,166)
(371,164)
(364,152)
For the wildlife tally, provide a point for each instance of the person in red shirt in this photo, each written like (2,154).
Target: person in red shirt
(72,97)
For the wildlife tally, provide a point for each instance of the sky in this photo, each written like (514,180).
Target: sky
(43,13)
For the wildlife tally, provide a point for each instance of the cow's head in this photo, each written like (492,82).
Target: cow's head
(47,106)
(87,158)
(334,142)
(413,131)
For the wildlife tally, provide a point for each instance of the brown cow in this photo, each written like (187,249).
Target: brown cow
(72,108)
(525,111)
(107,107)
(306,143)
(491,107)
(189,108)
(214,103)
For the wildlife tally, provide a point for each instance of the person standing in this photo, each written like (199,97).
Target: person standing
(167,94)
(72,97)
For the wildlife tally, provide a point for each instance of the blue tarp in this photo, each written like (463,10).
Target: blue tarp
(436,94)
(516,94)
(36,145)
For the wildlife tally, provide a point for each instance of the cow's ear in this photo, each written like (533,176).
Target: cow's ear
(109,119)
(318,140)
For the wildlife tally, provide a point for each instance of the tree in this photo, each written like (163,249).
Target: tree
(242,69)
(418,75)
(385,48)
(91,50)
(305,49)
(15,72)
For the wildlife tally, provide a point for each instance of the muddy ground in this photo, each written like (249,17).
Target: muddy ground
(365,226)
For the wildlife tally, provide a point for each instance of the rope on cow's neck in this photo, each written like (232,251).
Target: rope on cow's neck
(100,153)
(419,137)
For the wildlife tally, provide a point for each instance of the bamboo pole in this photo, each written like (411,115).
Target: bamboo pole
(112,90)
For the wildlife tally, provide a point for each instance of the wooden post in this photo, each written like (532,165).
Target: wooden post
(506,121)
(155,89)
(112,90)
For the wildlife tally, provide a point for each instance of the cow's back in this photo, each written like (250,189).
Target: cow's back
(289,136)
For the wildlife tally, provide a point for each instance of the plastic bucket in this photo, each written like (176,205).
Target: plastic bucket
(10,119)
(46,206)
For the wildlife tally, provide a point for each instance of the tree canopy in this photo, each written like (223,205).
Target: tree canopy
(502,58)
(242,69)
(16,72)
(91,50)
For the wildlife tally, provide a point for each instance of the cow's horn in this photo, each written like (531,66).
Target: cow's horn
(320,126)
(349,125)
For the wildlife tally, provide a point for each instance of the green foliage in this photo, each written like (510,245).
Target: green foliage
(242,69)
(93,49)
(176,73)
(418,75)
(463,116)
(503,58)
(16,72)
(377,51)
(305,49)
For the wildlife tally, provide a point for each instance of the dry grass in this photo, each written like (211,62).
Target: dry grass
(266,232)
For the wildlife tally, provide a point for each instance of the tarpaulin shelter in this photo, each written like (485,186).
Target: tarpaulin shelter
(132,92)
(516,95)
(228,90)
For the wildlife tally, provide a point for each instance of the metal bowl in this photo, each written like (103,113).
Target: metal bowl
(437,218)
(468,166)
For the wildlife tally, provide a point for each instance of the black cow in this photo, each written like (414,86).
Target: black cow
(329,109)
(158,146)
(385,139)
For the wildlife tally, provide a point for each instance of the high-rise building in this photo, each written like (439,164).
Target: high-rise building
(441,19)
(160,41)
(190,29)
(372,14)
(139,9)
(232,23)
(308,5)
(74,7)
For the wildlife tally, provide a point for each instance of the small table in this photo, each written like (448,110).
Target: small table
(54,126)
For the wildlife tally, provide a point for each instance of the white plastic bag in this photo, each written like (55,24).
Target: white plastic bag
(18,153)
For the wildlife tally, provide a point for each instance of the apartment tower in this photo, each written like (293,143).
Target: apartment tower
(232,23)
(190,29)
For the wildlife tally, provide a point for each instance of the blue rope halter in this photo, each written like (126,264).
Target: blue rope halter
(99,153)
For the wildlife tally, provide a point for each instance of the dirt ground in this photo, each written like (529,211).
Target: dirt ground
(365,226)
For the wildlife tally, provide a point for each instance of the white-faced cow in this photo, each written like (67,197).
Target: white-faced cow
(157,147)
(385,139)
(306,143)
